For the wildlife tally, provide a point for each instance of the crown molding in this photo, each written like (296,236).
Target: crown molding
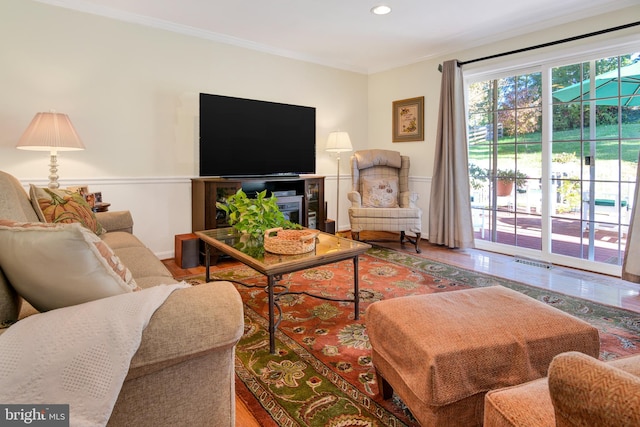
(132,18)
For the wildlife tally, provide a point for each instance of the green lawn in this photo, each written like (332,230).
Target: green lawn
(529,148)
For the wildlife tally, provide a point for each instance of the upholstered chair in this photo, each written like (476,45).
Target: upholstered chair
(380,197)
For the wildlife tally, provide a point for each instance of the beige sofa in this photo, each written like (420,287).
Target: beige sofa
(183,371)
(579,391)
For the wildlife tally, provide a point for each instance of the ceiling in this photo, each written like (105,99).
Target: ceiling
(344,33)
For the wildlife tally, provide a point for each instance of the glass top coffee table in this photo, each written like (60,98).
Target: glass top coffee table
(329,249)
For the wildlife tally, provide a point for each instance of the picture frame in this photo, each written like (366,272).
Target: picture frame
(90,199)
(82,189)
(408,120)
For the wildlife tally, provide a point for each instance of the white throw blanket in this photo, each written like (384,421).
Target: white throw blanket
(77,355)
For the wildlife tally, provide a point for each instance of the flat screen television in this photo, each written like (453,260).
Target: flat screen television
(246,137)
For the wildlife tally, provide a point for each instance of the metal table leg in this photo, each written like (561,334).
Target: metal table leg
(356,290)
(272,324)
(207,262)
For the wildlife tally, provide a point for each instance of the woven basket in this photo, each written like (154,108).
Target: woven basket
(289,242)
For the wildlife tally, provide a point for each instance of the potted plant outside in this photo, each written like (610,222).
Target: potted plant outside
(478,176)
(506,179)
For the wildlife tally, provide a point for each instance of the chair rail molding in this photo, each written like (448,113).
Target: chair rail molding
(160,206)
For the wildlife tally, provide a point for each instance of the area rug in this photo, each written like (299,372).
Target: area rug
(322,374)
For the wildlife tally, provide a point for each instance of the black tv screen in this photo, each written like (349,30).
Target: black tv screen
(246,137)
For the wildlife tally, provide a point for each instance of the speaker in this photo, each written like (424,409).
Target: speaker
(187,250)
(330,226)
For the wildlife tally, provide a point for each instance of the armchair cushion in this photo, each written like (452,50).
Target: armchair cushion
(522,405)
(380,193)
(58,265)
(63,206)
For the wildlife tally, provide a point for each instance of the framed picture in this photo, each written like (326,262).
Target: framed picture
(408,120)
(82,189)
(91,199)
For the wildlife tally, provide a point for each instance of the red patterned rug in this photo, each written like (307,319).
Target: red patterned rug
(322,373)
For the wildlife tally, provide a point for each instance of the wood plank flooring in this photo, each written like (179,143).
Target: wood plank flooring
(595,287)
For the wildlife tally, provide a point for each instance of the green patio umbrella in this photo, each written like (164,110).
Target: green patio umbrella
(607,88)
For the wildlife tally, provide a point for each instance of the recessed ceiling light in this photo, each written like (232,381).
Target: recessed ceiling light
(381,10)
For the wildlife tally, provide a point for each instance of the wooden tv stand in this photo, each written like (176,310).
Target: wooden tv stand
(205,192)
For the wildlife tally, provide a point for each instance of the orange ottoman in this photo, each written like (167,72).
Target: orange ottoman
(442,352)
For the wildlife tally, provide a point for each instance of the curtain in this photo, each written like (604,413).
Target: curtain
(450,222)
(631,266)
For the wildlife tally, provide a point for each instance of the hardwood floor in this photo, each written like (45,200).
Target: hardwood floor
(591,286)
(244,418)
(600,288)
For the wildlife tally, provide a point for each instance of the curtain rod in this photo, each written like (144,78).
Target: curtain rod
(569,39)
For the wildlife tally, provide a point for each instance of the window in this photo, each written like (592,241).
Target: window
(568,162)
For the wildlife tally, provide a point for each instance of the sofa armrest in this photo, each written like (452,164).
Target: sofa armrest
(116,221)
(355,198)
(586,391)
(191,322)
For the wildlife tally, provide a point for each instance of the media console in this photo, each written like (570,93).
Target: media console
(300,198)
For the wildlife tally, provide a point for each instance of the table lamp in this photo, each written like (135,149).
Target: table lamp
(51,132)
(338,142)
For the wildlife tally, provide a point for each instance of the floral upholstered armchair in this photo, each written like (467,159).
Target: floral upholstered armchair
(380,197)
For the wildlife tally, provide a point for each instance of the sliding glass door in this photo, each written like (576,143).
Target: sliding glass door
(566,147)
(505,149)
(596,134)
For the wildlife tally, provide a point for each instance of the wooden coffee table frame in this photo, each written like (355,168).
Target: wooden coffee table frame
(329,249)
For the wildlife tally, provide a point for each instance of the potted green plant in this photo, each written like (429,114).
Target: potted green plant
(506,179)
(253,217)
(478,176)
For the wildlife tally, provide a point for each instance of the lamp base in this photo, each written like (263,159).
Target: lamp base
(53,172)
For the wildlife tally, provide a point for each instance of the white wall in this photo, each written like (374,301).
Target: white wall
(132,93)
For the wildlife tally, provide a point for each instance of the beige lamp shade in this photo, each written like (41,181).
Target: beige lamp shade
(339,142)
(50,132)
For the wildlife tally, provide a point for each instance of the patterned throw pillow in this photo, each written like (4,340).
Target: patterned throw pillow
(58,265)
(380,193)
(63,206)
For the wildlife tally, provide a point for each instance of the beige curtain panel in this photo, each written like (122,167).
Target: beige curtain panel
(450,222)
(631,264)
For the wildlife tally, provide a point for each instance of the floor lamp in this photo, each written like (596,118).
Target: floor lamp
(338,142)
(51,132)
